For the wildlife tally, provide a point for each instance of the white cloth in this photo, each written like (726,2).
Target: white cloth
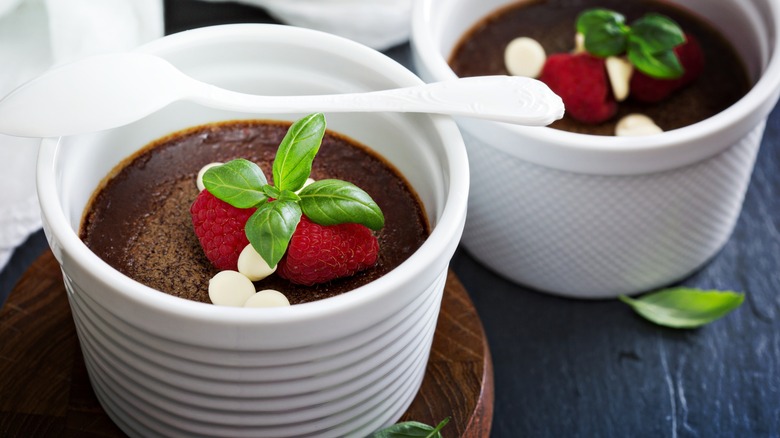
(34,35)
(379,24)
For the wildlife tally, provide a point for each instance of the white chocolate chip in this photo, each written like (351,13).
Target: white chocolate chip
(199,181)
(636,125)
(267,298)
(579,43)
(524,57)
(619,71)
(252,265)
(230,288)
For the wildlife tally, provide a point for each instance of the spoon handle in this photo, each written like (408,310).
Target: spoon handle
(110,90)
(511,99)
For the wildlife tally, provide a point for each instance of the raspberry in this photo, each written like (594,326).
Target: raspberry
(220,229)
(318,253)
(581,82)
(650,90)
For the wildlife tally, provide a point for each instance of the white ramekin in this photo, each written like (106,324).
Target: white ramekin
(342,366)
(593,216)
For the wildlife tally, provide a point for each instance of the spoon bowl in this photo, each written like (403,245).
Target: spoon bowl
(110,90)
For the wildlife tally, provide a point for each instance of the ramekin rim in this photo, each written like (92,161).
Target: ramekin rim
(447,227)
(767,85)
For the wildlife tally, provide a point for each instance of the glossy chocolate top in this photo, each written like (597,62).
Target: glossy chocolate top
(552,23)
(139,220)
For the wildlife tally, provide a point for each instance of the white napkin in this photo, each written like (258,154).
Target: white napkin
(34,35)
(379,24)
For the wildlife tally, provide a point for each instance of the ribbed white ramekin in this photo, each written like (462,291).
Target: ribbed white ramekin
(342,366)
(594,216)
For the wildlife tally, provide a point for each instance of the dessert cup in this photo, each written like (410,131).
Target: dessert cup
(591,216)
(343,366)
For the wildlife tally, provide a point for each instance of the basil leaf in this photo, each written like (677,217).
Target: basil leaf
(657,33)
(271,227)
(411,429)
(287,195)
(294,158)
(661,65)
(649,42)
(685,307)
(605,42)
(271,191)
(598,17)
(238,182)
(332,201)
(605,32)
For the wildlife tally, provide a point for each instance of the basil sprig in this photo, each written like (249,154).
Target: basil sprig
(648,42)
(242,184)
(411,429)
(685,307)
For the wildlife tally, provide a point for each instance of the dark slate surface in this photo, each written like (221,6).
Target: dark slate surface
(593,368)
(580,368)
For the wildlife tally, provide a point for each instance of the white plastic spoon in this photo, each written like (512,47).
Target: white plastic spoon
(106,91)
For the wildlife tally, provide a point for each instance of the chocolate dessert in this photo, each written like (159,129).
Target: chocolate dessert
(552,23)
(139,219)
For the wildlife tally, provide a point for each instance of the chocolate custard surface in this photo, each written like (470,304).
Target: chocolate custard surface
(139,220)
(552,23)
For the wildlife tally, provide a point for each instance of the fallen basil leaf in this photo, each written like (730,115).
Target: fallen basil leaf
(411,429)
(685,307)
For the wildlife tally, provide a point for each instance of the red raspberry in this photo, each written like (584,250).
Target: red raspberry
(318,253)
(220,229)
(582,83)
(650,90)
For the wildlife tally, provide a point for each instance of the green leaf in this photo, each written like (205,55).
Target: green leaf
(238,182)
(685,307)
(294,158)
(270,228)
(598,17)
(242,184)
(605,42)
(657,33)
(604,30)
(271,191)
(411,429)
(287,195)
(651,44)
(661,65)
(332,201)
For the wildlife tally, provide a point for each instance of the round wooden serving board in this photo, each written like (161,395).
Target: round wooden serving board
(45,390)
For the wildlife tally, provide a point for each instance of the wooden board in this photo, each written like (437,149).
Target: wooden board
(45,391)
